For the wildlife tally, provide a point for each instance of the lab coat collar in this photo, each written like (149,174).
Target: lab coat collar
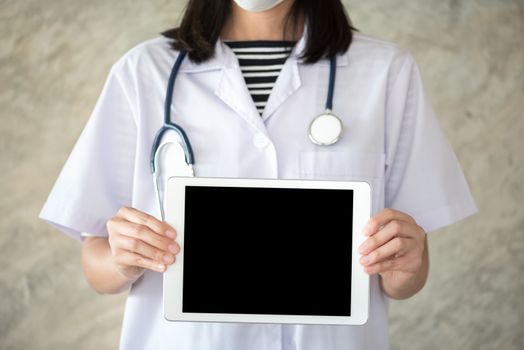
(231,87)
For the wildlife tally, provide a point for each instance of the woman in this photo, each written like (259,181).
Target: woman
(255,76)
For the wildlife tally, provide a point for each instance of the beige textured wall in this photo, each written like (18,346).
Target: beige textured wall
(54,56)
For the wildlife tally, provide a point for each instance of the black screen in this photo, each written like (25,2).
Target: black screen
(267,251)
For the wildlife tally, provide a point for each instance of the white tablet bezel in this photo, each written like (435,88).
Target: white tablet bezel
(173,277)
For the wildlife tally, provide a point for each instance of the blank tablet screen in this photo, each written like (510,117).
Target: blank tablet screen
(276,251)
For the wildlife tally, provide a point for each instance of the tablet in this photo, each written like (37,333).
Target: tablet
(267,251)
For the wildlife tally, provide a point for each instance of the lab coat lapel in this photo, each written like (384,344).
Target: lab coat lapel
(287,83)
(288,80)
(232,89)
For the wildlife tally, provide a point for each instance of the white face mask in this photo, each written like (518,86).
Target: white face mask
(257,5)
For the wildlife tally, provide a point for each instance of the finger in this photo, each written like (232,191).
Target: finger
(145,234)
(134,245)
(394,228)
(393,249)
(382,218)
(386,266)
(126,258)
(139,217)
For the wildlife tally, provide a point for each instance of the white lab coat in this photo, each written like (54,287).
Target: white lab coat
(391,139)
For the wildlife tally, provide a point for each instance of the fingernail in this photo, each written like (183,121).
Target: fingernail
(173,248)
(363,248)
(365,260)
(161,267)
(367,229)
(167,259)
(170,233)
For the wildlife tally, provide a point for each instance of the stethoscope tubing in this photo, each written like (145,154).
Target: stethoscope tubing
(168,124)
(331,86)
(184,139)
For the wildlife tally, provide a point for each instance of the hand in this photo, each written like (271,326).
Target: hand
(395,249)
(139,241)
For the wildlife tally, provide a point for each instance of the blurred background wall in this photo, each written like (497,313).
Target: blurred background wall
(54,57)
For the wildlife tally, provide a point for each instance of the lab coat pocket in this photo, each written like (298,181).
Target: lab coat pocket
(346,166)
(341,165)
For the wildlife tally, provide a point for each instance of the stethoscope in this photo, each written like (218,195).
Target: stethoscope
(324,130)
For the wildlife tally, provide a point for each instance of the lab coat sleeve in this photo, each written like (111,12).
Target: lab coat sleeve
(423,175)
(97,178)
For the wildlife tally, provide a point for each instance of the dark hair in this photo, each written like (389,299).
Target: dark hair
(329,28)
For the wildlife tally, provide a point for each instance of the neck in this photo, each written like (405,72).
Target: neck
(268,25)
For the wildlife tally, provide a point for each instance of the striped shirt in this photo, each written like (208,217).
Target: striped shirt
(261,62)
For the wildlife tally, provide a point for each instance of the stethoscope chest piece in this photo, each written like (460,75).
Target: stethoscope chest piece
(325,129)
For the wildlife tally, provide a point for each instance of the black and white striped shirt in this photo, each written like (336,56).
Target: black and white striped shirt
(261,62)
